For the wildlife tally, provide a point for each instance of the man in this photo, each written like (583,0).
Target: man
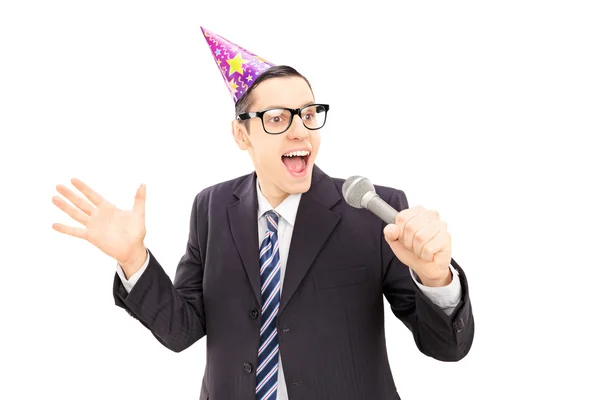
(281,275)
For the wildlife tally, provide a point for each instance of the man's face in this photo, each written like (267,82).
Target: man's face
(279,174)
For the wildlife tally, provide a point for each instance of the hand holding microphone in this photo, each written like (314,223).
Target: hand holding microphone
(417,236)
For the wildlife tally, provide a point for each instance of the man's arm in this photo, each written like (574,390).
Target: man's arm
(173,312)
(445,297)
(445,337)
(130,283)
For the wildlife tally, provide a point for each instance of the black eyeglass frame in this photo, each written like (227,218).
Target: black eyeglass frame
(293,112)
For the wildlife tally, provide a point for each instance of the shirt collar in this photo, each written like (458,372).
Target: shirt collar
(287,209)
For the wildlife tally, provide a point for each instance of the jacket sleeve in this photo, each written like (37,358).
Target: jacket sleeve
(436,334)
(172,311)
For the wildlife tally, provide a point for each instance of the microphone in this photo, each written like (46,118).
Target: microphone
(359,192)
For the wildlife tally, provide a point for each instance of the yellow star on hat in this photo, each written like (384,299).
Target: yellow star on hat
(235,64)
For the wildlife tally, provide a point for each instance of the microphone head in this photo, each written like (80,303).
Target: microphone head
(355,188)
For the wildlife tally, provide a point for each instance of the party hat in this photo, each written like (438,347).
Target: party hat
(238,66)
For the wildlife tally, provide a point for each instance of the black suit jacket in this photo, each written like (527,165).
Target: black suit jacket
(331,316)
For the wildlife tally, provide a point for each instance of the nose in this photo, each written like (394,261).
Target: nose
(297,130)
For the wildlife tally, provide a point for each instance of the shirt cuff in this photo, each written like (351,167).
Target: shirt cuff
(129,283)
(446,297)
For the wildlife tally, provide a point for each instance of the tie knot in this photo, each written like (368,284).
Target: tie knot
(272,220)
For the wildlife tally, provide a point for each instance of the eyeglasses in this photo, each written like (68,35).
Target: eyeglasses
(277,120)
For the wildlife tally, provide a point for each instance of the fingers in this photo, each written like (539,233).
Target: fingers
(71,230)
(79,202)
(436,246)
(73,212)
(423,236)
(94,197)
(139,203)
(406,222)
(442,257)
(417,226)
(414,226)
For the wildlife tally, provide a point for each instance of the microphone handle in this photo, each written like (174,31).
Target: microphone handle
(382,209)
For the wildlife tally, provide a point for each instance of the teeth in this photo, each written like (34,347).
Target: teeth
(300,153)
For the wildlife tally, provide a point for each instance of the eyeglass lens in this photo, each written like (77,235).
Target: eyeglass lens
(278,120)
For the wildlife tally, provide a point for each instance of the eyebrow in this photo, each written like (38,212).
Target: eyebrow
(278,106)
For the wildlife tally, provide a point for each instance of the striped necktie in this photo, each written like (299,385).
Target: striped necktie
(268,352)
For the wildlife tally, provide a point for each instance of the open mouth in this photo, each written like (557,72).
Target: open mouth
(296,161)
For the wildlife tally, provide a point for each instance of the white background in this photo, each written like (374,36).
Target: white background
(485,111)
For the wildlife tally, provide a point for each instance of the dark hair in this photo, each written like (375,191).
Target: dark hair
(279,71)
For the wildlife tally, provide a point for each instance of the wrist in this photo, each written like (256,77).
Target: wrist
(135,262)
(444,280)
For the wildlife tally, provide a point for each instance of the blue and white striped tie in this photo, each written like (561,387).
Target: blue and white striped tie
(268,352)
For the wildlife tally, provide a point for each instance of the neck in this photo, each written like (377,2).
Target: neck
(273,195)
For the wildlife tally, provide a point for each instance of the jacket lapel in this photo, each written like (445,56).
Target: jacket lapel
(244,228)
(314,224)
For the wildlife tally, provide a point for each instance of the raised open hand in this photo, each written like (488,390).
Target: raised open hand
(118,233)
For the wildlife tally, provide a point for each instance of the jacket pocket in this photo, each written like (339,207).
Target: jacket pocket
(329,279)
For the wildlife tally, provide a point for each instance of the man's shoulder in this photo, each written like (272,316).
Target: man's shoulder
(222,190)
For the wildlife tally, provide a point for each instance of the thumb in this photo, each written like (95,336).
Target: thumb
(139,203)
(391,232)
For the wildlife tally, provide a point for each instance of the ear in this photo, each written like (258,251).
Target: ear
(239,134)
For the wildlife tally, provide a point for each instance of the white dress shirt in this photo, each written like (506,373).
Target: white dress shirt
(446,297)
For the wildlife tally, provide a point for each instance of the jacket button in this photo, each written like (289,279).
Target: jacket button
(459,325)
(254,313)
(247,367)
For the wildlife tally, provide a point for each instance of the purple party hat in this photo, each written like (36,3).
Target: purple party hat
(238,66)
